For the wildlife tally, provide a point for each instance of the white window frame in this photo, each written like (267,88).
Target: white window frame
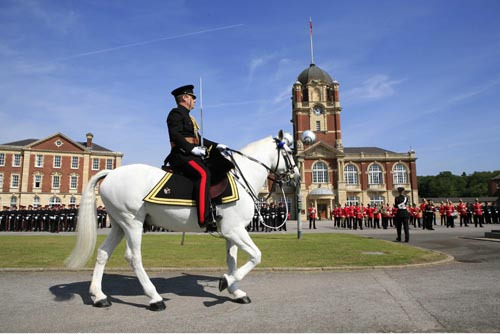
(35,181)
(109,163)
(400,174)
(57,161)
(14,181)
(352,199)
(377,200)
(94,161)
(320,172)
(56,185)
(318,125)
(73,182)
(72,200)
(36,202)
(17,160)
(73,164)
(13,201)
(375,174)
(39,160)
(2,159)
(54,200)
(1,181)
(351,174)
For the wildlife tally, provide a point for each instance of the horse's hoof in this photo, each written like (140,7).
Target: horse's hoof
(158,306)
(243,300)
(223,283)
(102,303)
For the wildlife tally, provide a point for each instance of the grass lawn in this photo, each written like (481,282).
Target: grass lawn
(164,250)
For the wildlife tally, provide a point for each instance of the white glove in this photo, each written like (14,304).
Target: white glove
(221,147)
(199,151)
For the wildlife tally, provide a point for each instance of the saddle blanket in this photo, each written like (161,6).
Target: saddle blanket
(176,189)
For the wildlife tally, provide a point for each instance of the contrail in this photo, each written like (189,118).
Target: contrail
(146,42)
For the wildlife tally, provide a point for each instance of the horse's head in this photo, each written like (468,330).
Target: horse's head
(286,169)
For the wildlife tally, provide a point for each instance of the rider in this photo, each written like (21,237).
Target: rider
(187,156)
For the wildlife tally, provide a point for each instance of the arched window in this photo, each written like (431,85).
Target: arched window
(54,200)
(375,175)
(72,200)
(351,174)
(13,202)
(400,175)
(354,200)
(320,172)
(376,200)
(36,202)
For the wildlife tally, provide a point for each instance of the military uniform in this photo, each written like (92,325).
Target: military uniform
(183,133)
(402,215)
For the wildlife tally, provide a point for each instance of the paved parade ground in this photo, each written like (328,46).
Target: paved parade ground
(457,296)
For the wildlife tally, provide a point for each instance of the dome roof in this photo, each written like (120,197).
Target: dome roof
(313,72)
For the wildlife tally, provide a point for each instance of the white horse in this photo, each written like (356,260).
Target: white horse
(123,190)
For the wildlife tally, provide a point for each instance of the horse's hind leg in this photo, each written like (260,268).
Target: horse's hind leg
(134,257)
(103,254)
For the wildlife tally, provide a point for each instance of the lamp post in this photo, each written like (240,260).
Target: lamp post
(308,137)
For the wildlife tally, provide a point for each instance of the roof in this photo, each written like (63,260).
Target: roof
(25,142)
(313,72)
(367,150)
(321,191)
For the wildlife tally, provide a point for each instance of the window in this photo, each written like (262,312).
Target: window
(400,174)
(351,174)
(318,125)
(352,200)
(37,182)
(95,164)
(13,201)
(39,160)
(320,172)
(376,200)
(74,162)
(1,182)
(54,201)
(14,181)
(36,202)
(72,200)
(375,175)
(17,160)
(109,163)
(56,181)
(73,182)
(57,161)
(2,159)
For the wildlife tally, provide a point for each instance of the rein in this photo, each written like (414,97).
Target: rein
(278,178)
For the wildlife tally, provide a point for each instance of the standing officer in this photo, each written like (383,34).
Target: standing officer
(401,217)
(478,213)
(187,156)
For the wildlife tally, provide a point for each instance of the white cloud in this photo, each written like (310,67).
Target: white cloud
(377,87)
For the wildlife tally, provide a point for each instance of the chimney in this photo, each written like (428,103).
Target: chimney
(89,140)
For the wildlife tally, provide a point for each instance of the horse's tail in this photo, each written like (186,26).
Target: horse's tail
(86,225)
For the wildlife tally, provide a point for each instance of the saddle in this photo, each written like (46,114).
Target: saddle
(177,189)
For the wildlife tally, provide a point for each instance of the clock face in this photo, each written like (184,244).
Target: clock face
(318,110)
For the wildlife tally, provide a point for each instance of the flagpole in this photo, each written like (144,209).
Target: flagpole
(311,38)
(201,113)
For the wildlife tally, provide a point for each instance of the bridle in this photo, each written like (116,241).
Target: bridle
(279,178)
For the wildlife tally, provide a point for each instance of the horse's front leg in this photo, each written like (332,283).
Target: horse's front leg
(234,240)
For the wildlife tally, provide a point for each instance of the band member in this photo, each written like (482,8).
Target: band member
(478,213)
(450,214)
(187,156)
(312,216)
(462,211)
(402,215)
(282,216)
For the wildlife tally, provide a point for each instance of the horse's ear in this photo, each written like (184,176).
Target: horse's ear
(280,135)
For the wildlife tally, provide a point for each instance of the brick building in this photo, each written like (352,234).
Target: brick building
(50,171)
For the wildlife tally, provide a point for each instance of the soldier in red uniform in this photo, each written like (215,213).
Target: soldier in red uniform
(369,215)
(462,211)
(358,217)
(450,214)
(478,213)
(312,216)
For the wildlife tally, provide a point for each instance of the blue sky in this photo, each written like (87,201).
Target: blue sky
(413,74)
